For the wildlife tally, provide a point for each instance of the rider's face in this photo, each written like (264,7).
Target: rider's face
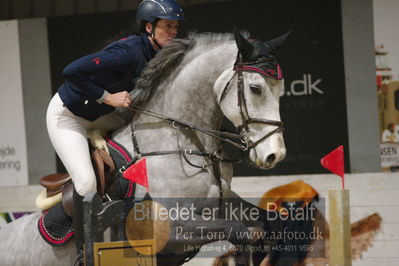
(165,30)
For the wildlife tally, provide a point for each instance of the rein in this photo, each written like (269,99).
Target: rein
(221,135)
(215,157)
(224,136)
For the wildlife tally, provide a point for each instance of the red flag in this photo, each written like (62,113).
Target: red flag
(137,173)
(334,161)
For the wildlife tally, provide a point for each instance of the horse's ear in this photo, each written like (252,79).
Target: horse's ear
(244,47)
(277,42)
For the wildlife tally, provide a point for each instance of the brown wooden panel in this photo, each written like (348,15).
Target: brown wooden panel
(121,253)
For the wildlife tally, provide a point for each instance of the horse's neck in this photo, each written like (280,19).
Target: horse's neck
(188,95)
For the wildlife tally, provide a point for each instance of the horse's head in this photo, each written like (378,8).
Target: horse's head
(249,96)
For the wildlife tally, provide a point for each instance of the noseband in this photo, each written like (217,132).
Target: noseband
(242,104)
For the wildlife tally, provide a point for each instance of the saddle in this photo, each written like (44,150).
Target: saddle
(104,168)
(54,183)
(55,224)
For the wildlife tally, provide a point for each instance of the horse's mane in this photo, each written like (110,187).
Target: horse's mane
(176,54)
(158,69)
(169,58)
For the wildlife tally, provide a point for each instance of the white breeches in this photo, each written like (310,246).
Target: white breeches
(68,134)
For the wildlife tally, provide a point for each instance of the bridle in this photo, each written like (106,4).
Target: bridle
(215,157)
(224,136)
(239,67)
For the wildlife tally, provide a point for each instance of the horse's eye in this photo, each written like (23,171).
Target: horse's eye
(256,89)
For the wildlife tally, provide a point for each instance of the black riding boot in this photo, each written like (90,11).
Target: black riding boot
(77,216)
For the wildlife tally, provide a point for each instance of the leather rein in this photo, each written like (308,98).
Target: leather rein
(224,136)
(215,157)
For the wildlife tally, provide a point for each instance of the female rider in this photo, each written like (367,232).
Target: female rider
(97,83)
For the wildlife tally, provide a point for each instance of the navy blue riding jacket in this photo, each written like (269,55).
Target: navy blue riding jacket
(114,69)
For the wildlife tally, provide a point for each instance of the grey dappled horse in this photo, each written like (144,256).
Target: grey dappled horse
(193,81)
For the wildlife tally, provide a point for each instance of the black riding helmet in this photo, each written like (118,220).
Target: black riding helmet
(153,10)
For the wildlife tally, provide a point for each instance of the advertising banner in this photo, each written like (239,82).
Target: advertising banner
(13,154)
(389,154)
